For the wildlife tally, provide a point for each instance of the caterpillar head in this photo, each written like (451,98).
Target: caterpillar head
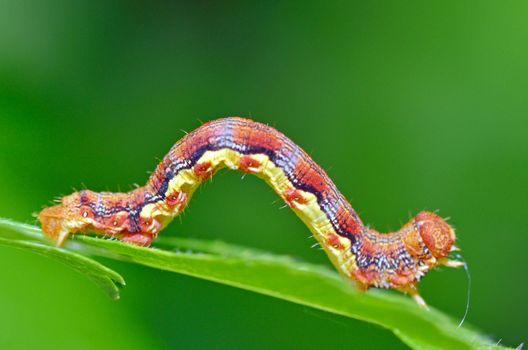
(437,235)
(59,220)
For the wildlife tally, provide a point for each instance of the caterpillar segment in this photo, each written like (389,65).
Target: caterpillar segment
(396,260)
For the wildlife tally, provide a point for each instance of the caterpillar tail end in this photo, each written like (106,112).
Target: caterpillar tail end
(52,220)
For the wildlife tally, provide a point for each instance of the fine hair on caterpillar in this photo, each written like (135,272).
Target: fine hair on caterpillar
(396,260)
(468,288)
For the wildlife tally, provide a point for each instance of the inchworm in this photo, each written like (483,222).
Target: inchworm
(395,260)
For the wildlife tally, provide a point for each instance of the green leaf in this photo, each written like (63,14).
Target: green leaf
(104,277)
(291,280)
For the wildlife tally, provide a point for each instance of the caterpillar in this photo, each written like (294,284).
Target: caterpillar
(396,260)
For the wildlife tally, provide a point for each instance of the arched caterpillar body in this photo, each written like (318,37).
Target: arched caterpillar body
(395,260)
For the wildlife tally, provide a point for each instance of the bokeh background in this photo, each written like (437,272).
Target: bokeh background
(408,105)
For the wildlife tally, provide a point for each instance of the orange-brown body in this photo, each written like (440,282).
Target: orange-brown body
(395,260)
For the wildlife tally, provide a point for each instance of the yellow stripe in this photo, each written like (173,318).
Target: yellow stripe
(309,212)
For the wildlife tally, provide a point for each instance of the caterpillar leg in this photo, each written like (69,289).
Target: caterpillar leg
(419,300)
(140,239)
(412,290)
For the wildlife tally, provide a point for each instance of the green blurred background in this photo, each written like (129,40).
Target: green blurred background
(408,105)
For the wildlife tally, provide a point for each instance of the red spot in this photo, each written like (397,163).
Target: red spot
(177,199)
(86,212)
(294,196)
(149,225)
(173,199)
(247,162)
(115,221)
(333,241)
(203,170)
